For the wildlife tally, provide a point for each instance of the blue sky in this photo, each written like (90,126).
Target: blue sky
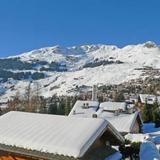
(30,24)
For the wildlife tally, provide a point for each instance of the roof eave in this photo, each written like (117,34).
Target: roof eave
(32,153)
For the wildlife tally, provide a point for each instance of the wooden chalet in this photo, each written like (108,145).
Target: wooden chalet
(33,136)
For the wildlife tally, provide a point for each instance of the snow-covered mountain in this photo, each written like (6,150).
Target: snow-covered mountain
(61,70)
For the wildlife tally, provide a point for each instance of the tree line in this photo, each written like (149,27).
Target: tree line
(151,113)
(32,101)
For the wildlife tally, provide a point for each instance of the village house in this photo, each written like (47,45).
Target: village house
(148,98)
(123,122)
(33,136)
(122,116)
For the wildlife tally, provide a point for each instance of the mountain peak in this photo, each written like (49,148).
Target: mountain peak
(150,44)
(65,68)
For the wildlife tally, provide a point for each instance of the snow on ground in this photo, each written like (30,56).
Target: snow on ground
(153,132)
(149,128)
(148,151)
(156,137)
(44,54)
(139,137)
(2,90)
(115,156)
(65,82)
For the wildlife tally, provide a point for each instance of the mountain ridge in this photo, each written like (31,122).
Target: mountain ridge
(61,70)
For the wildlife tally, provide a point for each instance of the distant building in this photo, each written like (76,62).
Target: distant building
(148,98)
(33,136)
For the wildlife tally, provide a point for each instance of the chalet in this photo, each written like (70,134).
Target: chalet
(148,98)
(123,122)
(33,136)
(123,117)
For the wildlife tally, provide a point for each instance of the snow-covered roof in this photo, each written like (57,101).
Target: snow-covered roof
(112,106)
(84,108)
(148,151)
(150,99)
(53,134)
(122,122)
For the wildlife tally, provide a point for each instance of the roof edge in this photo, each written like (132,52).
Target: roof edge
(31,153)
(134,119)
(117,134)
(92,139)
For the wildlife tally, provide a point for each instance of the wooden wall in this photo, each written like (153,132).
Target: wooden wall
(11,156)
(136,128)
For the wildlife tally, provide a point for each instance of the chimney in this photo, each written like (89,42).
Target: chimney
(116,113)
(94,115)
(87,105)
(84,105)
(94,93)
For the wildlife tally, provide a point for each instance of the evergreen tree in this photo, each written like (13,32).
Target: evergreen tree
(119,97)
(156,105)
(156,113)
(67,105)
(43,105)
(147,113)
(0,111)
(61,107)
(27,98)
(52,108)
(100,99)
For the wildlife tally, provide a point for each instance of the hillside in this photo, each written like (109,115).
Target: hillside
(67,70)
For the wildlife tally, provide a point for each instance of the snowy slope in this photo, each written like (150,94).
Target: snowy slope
(123,64)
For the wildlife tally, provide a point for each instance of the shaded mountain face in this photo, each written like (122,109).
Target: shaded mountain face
(61,70)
